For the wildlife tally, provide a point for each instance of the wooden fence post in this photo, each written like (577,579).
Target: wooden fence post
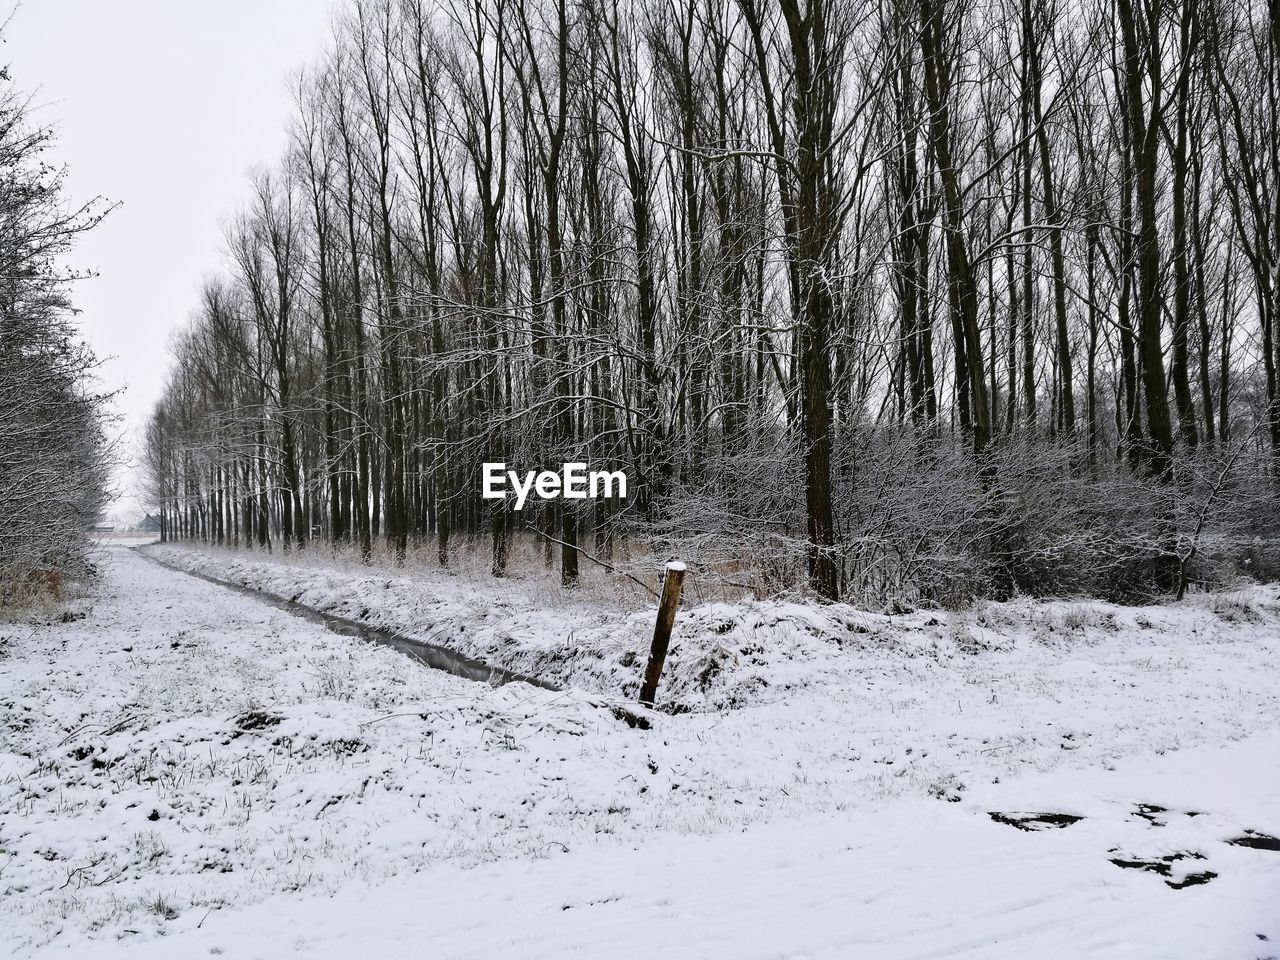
(671,585)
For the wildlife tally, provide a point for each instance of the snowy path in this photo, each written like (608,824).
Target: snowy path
(188,763)
(917,880)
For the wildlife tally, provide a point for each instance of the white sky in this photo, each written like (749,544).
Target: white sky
(163,105)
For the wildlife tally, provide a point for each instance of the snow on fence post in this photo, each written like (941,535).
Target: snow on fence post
(671,585)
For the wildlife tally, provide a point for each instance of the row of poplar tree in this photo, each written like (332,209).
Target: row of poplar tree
(887,296)
(52,444)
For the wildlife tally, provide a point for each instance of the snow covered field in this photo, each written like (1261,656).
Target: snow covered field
(186,772)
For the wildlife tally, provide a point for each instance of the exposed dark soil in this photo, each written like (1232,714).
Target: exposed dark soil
(1035,821)
(1164,867)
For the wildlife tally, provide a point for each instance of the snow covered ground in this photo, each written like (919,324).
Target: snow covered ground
(187,772)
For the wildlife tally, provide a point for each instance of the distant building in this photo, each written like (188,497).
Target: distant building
(149,524)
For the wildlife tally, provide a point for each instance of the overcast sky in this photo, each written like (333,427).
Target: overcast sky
(163,105)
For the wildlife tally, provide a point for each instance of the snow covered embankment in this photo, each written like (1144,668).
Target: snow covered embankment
(722,655)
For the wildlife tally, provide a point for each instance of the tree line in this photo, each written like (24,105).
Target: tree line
(922,298)
(52,444)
